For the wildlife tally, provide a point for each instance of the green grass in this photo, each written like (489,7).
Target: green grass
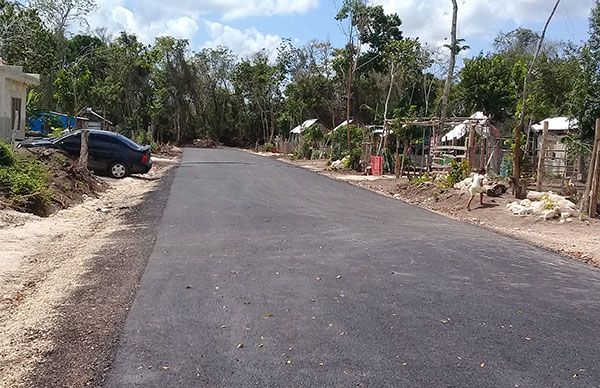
(23,181)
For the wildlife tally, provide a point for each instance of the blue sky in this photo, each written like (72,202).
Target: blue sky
(250,25)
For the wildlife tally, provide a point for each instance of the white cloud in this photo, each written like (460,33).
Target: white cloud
(430,20)
(241,42)
(268,8)
(225,9)
(116,17)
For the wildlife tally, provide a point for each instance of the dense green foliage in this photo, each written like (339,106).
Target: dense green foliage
(23,180)
(7,157)
(459,170)
(167,92)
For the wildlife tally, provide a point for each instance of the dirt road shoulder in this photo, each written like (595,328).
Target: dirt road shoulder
(71,281)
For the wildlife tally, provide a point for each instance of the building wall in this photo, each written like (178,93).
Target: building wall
(10,89)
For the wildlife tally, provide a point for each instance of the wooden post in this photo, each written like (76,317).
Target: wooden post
(595,184)
(15,128)
(586,203)
(542,156)
(83,156)
(471,146)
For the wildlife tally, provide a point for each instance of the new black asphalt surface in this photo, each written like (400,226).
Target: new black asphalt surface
(268,275)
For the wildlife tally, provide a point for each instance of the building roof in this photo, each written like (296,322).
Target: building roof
(304,126)
(346,122)
(16,73)
(66,115)
(461,130)
(90,111)
(557,124)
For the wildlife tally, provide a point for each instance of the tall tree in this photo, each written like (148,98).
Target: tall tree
(490,84)
(584,100)
(59,15)
(518,188)
(454,50)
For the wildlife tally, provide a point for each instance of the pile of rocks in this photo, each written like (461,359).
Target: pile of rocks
(340,164)
(492,189)
(546,205)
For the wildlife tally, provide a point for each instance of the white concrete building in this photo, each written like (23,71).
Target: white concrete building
(13,97)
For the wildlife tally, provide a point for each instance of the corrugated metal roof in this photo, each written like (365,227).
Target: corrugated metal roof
(304,126)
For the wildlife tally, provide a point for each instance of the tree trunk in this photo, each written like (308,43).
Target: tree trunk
(451,66)
(590,198)
(404,155)
(349,92)
(83,154)
(385,111)
(518,188)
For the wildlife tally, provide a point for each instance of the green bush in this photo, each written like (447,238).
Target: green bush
(25,183)
(459,170)
(425,178)
(268,147)
(7,156)
(339,143)
(56,132)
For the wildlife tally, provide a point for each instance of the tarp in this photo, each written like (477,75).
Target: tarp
(378,129)
(558,124)
(304,126)
(461,130)
(342,125)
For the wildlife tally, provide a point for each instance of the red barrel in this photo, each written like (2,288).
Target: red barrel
(377,165)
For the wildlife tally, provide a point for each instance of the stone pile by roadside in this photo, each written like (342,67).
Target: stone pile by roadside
(546,205)
(493,188)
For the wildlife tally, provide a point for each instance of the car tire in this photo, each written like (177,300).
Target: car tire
(118,170)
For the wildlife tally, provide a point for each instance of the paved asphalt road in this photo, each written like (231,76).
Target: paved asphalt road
(329,285)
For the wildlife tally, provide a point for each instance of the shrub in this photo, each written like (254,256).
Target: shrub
(7,156)
(268,147)
(339,142)
(56,132)
(459,170)
(425,178)
(25,183)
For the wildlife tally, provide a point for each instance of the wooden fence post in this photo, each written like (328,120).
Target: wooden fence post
(595,184)
(83,155)
(542,156)
(15,128)
(471,146)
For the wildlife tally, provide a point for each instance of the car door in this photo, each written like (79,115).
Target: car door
(71,144)
(101,152)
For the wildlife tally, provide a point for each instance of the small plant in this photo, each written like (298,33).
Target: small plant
(7,156)
(25,183)
(459,170)
(425,178)
(56,132)
(60,158)
(268,147)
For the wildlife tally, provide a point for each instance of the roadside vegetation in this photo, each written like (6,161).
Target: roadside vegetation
(42,182)
(166,92)
(23,181)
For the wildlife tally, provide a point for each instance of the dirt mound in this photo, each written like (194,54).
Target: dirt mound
(166,151)
(68,183)
(204,143)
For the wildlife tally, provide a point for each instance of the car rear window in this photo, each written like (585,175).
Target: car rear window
(129,142)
